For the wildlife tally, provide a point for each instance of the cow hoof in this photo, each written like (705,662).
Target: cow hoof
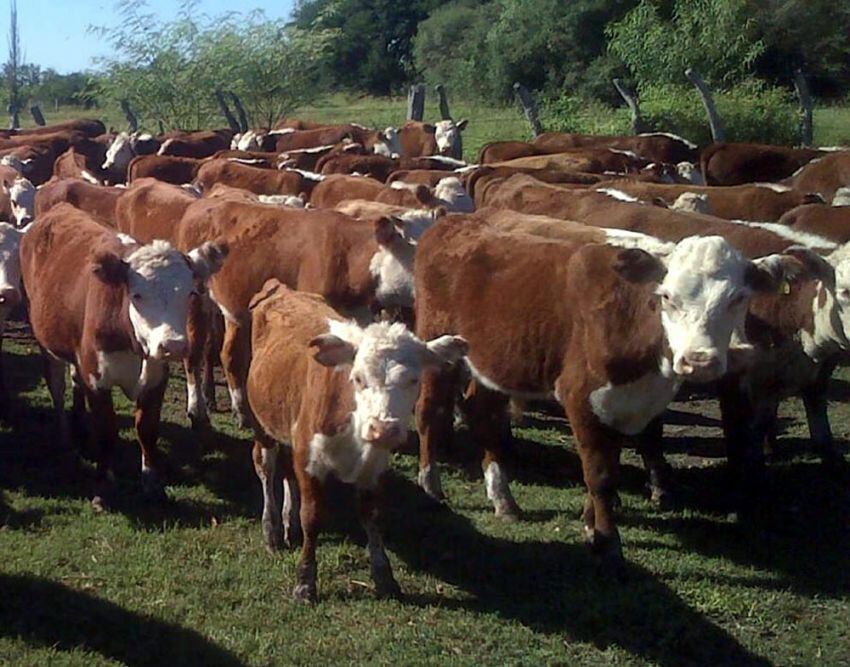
(616,502)
(508,511)
(152,488)
(607,553)
(663,499)
(242,420)
(305,593)
(388,589)
(199,423)
(274,538)
(429,482)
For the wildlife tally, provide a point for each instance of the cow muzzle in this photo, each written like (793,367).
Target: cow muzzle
(384,432)
(9,297)
(702,365)
(172,348)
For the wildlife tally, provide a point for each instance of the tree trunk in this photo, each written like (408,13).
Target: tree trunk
(529,107)
(631,100)
(806,108)
(717,132)
(416,102)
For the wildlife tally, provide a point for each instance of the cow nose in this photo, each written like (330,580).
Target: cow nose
(9,296)
(174,348)
(701,364)
(384,432)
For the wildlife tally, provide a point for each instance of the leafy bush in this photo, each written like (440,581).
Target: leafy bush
(749,112)
(583,116)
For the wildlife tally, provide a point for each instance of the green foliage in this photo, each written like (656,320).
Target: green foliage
(719,38)
(169,71)
(750,111)
(584,116)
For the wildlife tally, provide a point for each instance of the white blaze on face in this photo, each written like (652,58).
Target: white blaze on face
(14,162)
(387,361)
(22,200)
(250,141)
(10,268)
(447,136)
(691,202)
(704,299)
(451,191)
(388,143)
(119,153)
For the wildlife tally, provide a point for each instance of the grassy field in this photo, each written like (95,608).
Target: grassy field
(832,124)
(189,582)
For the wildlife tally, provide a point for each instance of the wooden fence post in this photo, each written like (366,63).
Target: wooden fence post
(14,116)
(529,107)
(717,132)
(806,107)
(631,100)
(37,116)
(132,121)
(416,102)
(445,114)
(222,105)
(240,111)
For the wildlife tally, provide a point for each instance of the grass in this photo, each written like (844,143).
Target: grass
(189,582)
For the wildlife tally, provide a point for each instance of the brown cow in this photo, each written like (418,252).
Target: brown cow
(150,209)
(591,160)
(72,164)
(197,144)
(378,167)
(176,170)
(325,136)
(653,146)
(97,200)
(831,222)
(499,151)
(546,319)
(116,313)
(738,163)
(10,292)
(87,126)
(343,409)
(824,175)
(418,139)
(256,179)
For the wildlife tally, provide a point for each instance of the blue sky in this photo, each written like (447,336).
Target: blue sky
(53,32)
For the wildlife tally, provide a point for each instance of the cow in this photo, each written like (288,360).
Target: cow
(99,201)
(825,175)
(546,319)
(123,148)
(500,151)
(591,160)
(35,162)
(314,250)
(738,163)
(378,167)
(418,139)
(324,136)
(832,222)
(21,200)
(659,147)
(256,179)
(176,170)
(429,177)
(197,144)
(10,292)
(150,209)
(349,393)
(116,312)
(88,126)
(72,164)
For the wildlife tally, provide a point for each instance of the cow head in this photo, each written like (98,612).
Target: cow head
(841,197)
(447,136)
(249,141)
(454,196)
(119,153)
(22,199)
(14,162)
(705,286)
(160,282)
(10,268)
(387,143)
(386,363)
(692,202)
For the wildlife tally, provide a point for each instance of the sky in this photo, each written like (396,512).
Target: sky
(53,32)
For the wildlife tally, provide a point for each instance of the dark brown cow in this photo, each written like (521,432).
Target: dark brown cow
(592,160)
(738,163)
(499,151)
(197,144)
(325,136)
(176,170)
(87,126)
(824,175)
(378,167)
(116,313)
(297,124)
(546,319)
(655,146)
(323,412)
(831,222)
(97,200)
(72,164)
(256,179)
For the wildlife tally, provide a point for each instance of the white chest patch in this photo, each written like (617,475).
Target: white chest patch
(351,461)
(128,371)
(628,408)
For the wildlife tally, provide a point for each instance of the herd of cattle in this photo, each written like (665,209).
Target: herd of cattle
(348,279)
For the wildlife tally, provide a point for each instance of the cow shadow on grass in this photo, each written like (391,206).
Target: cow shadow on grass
(552,588)
(49,615)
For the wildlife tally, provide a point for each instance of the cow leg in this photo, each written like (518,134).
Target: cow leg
(79,425)
(382,572)
(106,435)
(600,460)
(291,500)
(5,405)
(196,406)
(147,416)
(212,352)
(649,445)
(820,432)
(54,374)
(487,415)
(265,455)
(434,422)
(312,502)
(235,359)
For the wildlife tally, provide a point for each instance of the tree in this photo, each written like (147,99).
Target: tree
(13,65)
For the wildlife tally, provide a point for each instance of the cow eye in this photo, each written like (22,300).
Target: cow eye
(359,382)
(137,296)
(737,300)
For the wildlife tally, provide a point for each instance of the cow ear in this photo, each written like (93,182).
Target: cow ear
(638,266)
(445,350)
(772,273)
(813,198)
(422,193)
(332,350)
(208,258)
(462,124)
(659,202)
(429,129)
(386,231)
(110,268)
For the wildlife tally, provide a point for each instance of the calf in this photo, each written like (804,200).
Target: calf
(657,147)
(197,144)
(123,148)
(832,222)
(256,179)
(343,408)
(546,319)
(151,209)
(176,170)
(99,201)
(117,313)
(737,163)
(20,196)
(825,175)
(72,164)
(417,139)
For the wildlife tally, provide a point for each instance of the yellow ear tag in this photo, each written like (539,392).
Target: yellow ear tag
(786,287)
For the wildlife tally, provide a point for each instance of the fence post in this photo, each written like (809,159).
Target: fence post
(445,114)
(132,121)
(631,100)
(240,111)
(222,105)
(529,107)
(717,132)
(416,102)
(14,117)
(807,130)
(37,116)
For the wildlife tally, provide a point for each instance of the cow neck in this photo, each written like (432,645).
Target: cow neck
(827,335)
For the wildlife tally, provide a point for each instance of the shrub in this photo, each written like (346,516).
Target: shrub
(583,116)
